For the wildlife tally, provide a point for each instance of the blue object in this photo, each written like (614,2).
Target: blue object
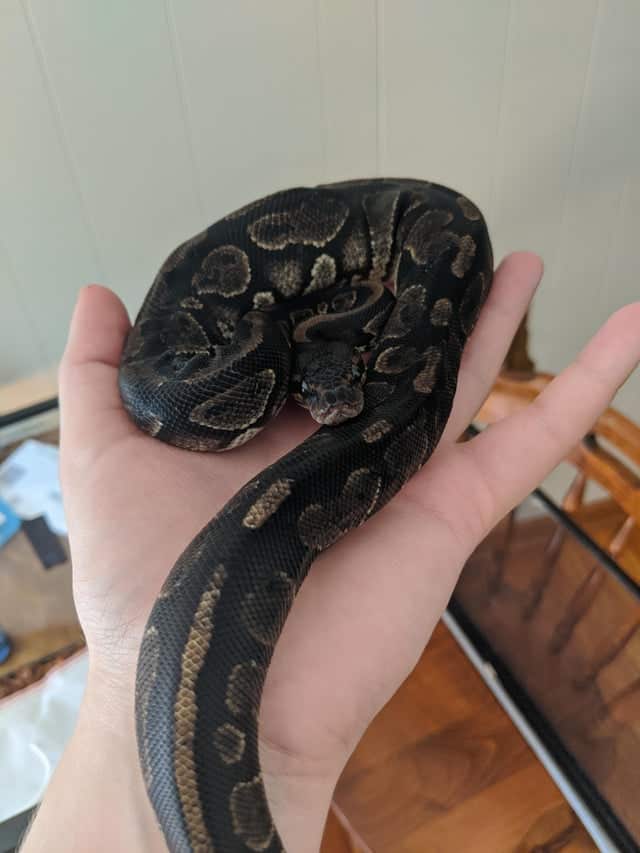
(9,523)
(5,646)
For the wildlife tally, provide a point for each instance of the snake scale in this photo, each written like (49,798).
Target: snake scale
(356,298)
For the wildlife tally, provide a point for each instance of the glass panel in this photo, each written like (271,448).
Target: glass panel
(564,622)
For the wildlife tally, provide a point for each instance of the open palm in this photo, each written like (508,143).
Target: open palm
(370,603)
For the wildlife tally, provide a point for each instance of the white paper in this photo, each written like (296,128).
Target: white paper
(35,725)
(30,484)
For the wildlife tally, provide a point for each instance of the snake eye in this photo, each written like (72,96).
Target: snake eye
(304,387)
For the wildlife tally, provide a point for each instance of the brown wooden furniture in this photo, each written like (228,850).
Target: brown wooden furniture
(517,360)
(608,456)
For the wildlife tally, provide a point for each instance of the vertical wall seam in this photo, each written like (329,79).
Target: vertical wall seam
(500,117)
(178,68)
(381,113)
(564,201)
(18,291)
(608,267)
(63,138)
(322,96)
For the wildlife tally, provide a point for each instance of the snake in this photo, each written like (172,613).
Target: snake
(355,299)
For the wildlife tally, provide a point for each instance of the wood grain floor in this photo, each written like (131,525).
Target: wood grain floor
(442,768)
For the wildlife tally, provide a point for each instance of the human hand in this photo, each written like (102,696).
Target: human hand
(370,603)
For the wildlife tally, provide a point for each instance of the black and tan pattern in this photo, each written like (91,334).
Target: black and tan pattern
(225,270)
(267,503)
(286,296)
(185,711)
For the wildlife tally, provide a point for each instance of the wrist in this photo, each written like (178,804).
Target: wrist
(299,795)
(299,790)
(96,799)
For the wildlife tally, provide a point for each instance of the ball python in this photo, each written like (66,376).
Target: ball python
(356,299)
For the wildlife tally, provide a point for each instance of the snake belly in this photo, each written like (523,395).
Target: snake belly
(209,360)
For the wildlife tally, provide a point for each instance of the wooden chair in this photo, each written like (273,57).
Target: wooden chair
(608,455)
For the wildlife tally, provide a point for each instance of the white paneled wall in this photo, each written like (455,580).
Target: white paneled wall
(128,126)
(440,90)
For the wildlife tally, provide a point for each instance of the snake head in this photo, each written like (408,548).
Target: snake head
(331,387)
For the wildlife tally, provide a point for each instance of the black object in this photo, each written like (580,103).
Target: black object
(5,646)
(28,412)
(45,543)
(12,830)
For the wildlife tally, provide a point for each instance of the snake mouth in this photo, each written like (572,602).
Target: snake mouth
(334,410)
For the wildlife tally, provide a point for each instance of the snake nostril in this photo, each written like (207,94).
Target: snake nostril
(179,362)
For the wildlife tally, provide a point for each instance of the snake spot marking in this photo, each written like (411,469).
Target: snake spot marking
(286,276)
(314,222)
(425,381)
(238,407)
(263,298)
(323,273)
(396,359)
(267,503)
(191,303)
(263,611)
(441,312)
(376,430)
(225,271)
(242,438)
(469,209)
(242,696)
(320,525)
(380,209)
(408,311)
(250,814)
(355,299)
(355,251)
(230,743)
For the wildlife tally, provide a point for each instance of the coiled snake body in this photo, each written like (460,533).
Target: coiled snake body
(284,296)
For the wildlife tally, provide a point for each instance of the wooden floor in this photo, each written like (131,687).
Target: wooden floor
(442,768)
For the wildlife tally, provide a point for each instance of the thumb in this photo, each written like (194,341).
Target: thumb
(88,375)
(98,328)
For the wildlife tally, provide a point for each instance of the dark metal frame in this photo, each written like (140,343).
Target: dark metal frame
(28,412)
